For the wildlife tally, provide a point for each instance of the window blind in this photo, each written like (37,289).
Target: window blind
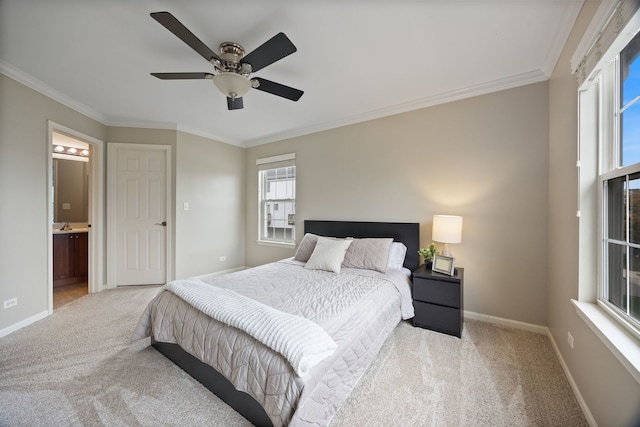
(624,11)
(275,162)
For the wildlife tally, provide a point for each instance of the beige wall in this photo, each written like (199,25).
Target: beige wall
(23,159)
(611,394)
(484,158)
(211,178)
(23,188)
(209,175)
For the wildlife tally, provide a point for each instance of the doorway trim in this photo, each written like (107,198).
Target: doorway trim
(96,209)
(112,173)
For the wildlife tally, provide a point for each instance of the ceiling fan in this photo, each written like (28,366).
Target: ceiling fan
(232,66)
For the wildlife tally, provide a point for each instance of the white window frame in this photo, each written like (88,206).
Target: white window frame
(595,164)
(269,163)
(610,145)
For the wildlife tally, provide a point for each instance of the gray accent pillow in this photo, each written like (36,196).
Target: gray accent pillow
(369,254)
(306,247)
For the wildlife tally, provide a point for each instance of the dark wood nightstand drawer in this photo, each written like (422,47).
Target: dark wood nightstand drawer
(438,300)
(436,292)
(438,318)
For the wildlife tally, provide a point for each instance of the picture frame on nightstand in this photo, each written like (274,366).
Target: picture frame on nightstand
(443,264)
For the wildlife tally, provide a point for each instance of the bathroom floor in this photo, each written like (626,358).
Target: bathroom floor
(65,294)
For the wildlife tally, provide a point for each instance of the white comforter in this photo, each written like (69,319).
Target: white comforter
(301,341)
(358,309)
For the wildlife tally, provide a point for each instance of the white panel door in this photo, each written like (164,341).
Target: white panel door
(141,231)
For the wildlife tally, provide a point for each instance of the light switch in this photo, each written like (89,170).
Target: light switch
(66,206)
(185,206)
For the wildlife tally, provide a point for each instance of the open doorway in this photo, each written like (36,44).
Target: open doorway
(75,218)
(70,223)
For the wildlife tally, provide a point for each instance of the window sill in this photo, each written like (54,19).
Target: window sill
(622,344)
(276,244)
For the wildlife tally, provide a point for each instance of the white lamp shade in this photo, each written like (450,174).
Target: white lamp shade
(232,85)
(447,229)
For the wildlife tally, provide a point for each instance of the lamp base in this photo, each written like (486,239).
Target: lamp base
(446,251)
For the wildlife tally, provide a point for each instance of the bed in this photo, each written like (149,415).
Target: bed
(356,310)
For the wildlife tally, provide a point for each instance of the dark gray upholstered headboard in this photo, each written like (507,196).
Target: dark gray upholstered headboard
(405,232)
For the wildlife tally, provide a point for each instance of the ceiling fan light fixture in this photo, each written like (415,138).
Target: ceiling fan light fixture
(232,85)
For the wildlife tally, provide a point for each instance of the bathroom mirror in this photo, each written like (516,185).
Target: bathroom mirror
(70,190)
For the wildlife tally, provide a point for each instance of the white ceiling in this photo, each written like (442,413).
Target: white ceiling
(357,59)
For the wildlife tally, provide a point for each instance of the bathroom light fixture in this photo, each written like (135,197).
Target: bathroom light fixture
(447,229)
(71,151)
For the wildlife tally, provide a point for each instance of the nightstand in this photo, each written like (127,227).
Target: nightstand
(437,300)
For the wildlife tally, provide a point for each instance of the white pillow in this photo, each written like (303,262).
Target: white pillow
(397,253)
(328,254)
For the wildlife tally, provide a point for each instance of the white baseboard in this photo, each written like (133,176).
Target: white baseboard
(583,405)
(218,273)
(545,331)
(538,329)
(26,322)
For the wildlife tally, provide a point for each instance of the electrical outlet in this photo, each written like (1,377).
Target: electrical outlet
(570,339)
(10,302)
(185,206)
(223,258)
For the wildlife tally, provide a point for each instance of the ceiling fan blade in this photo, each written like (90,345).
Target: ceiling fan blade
(269,52)
(172,24)
(278,89)
(182,76)
(235,103)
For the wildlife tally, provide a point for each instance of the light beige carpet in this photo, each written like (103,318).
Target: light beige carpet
(79,367)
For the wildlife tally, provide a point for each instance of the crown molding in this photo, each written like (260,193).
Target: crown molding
(510,82)
(46,90)
(143,125)
(211,136)
(569,17)
(176,127)
(456,95)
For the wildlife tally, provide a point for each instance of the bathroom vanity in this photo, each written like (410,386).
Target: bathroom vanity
(70,257)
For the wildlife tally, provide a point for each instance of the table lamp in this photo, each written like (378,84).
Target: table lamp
(447,229)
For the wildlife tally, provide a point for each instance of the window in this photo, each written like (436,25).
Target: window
(277,199)
(619,288)
(609,176)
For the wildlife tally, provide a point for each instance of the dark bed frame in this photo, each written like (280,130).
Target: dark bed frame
(247,406)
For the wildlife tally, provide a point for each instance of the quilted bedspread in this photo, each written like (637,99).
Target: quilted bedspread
(302,342)
(357,308)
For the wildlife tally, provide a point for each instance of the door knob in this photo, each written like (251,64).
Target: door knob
(163,223)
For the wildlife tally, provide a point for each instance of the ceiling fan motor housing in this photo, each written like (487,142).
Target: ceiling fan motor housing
(230,54)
